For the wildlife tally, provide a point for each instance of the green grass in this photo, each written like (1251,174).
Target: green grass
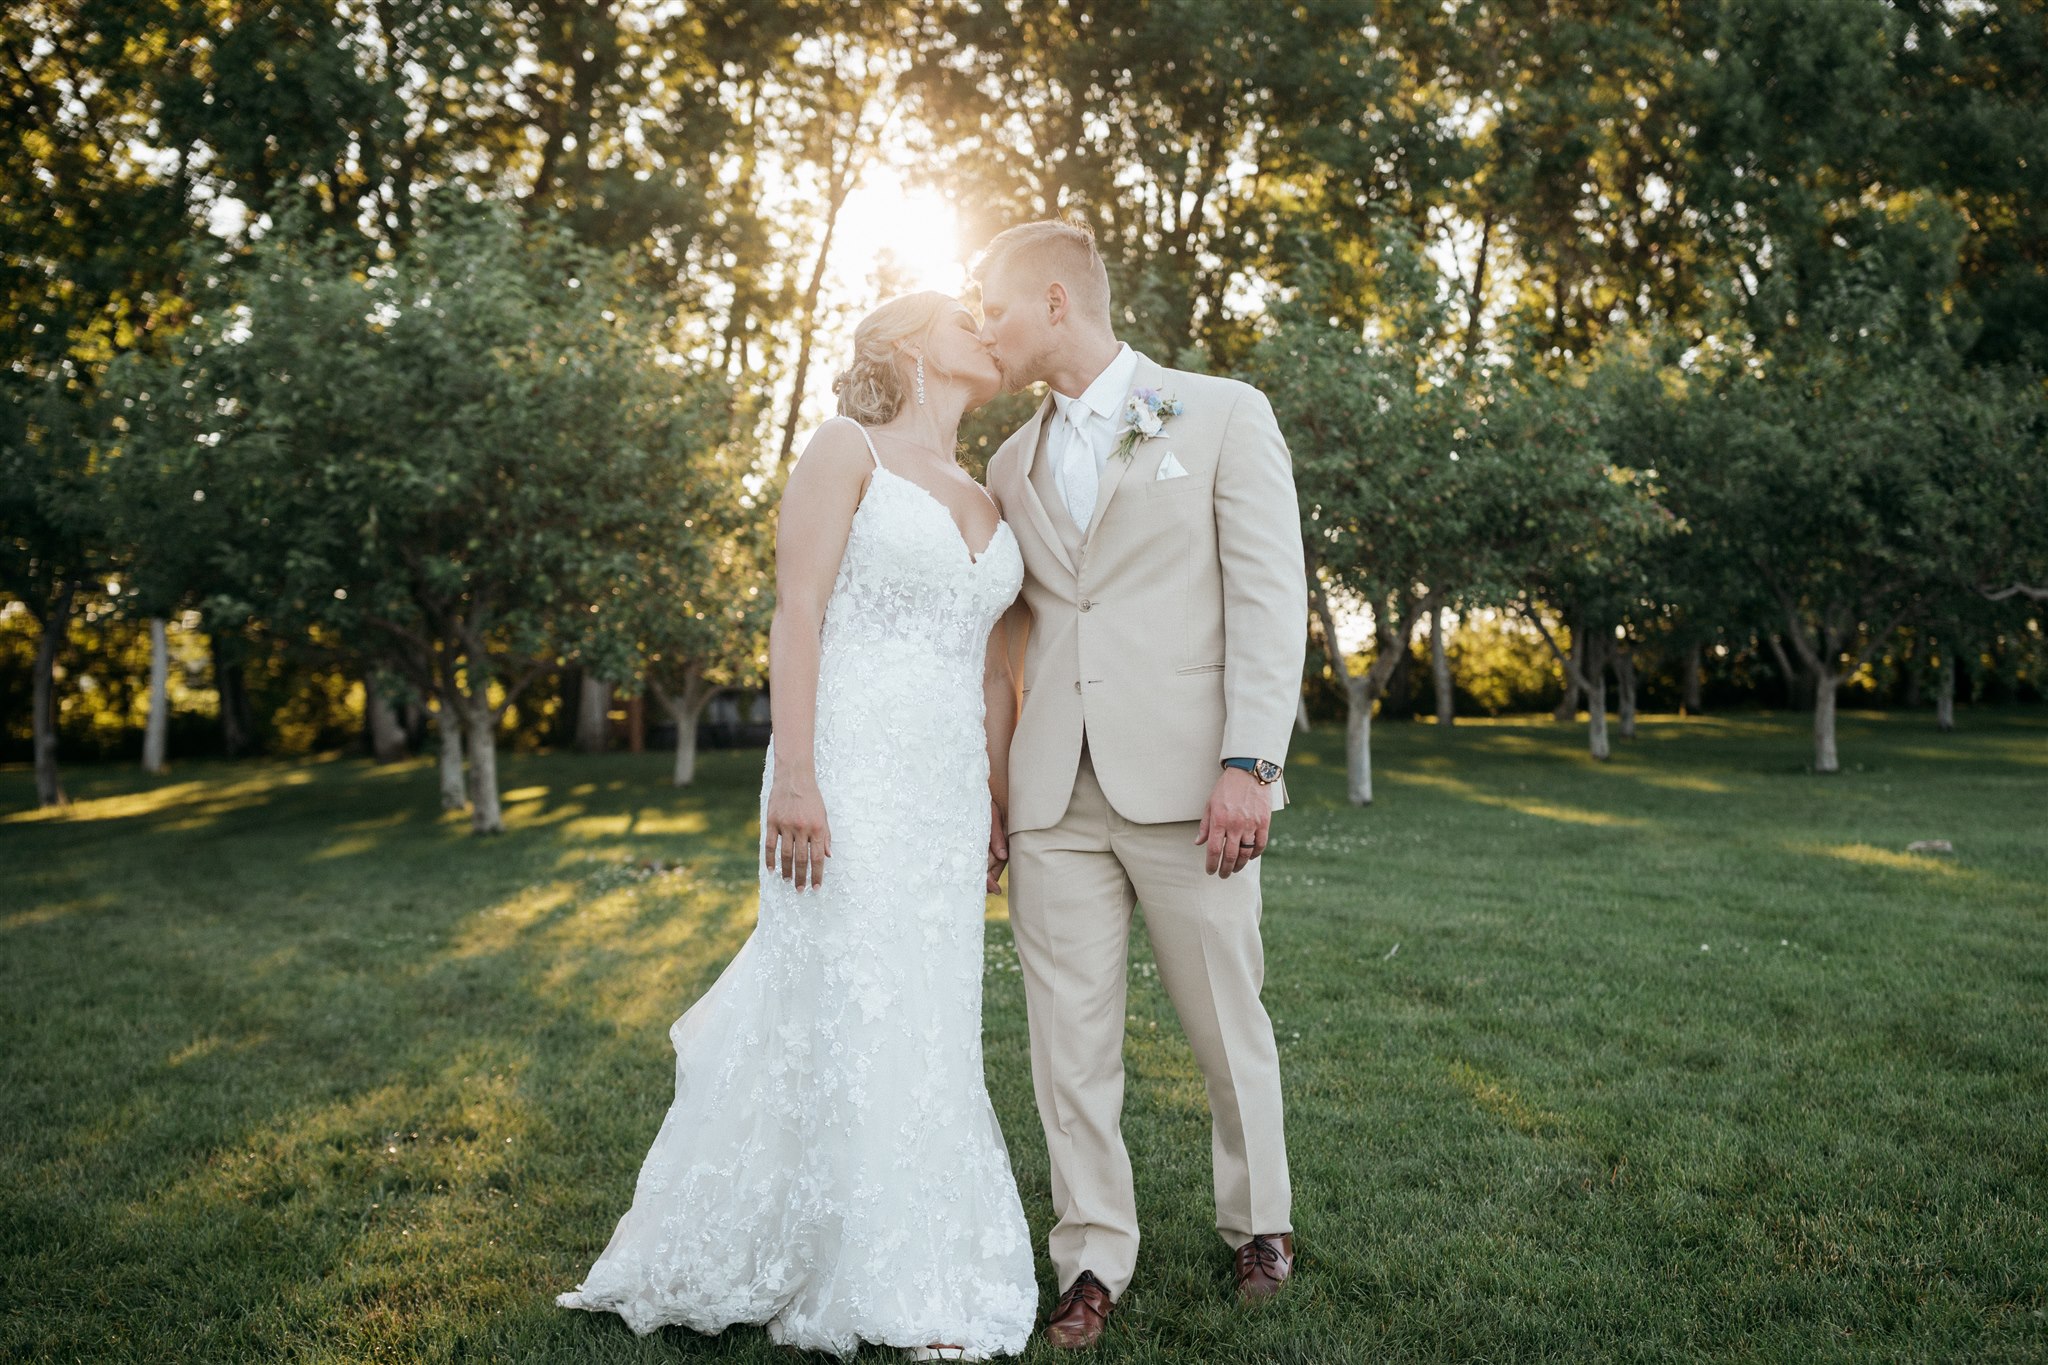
(1679,1056)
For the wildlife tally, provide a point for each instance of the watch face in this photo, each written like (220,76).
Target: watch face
(1269,771)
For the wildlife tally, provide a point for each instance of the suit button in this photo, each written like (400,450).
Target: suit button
(1077,684)
(1085,604)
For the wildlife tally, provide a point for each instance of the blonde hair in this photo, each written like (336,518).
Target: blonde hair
(1061,250)
(871,389)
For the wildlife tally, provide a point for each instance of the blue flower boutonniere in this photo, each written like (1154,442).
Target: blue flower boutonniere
(1145,414)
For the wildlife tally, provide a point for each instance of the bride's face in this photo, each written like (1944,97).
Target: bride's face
(956,350)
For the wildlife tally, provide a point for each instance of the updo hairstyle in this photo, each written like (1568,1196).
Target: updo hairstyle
(873,388)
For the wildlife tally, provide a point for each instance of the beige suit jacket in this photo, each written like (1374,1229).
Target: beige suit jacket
(1175,633)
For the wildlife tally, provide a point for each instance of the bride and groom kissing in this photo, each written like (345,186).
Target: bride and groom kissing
(1087,673)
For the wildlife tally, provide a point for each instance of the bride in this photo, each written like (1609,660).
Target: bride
(831,1165)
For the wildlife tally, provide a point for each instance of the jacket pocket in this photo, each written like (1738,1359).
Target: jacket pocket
(1200,668)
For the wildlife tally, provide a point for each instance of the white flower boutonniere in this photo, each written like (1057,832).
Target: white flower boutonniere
(1145,414)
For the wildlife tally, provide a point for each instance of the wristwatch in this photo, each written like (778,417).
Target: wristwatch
(1264,769)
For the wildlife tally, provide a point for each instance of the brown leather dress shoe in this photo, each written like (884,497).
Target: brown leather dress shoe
(1077,1319)
(1263,1265)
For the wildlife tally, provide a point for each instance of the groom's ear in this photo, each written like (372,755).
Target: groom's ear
(1057,304)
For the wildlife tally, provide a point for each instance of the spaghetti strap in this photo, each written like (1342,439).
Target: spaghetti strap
(872,452)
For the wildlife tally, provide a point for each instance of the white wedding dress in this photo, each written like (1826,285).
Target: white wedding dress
(831,1165)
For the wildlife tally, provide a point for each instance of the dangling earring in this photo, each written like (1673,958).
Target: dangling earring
(920,380)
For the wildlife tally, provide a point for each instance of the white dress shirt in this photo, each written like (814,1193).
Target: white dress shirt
(1084,432)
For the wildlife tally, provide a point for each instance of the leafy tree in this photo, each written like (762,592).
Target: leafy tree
(1858,479)
(1418,486)
(1170,128)
(691,617)
(92,238)
(446,462)
(54,540)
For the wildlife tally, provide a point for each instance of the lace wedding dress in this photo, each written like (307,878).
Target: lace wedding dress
(831,1165)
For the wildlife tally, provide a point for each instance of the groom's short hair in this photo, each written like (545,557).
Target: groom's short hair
(1048,250)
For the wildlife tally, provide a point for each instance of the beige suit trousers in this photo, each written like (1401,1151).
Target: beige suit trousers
(1072,889)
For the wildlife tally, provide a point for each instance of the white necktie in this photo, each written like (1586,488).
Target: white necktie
(1077,466)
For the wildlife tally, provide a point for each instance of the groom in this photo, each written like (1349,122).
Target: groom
(1162,629)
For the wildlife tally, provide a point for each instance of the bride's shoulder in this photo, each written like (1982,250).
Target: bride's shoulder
(831,473)
(838,444)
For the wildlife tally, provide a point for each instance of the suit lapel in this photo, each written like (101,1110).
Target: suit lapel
(1145,376)
(1032,433)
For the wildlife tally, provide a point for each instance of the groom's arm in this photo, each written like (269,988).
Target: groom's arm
(1265,583)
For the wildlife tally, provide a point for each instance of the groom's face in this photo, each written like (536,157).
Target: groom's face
(1017,324)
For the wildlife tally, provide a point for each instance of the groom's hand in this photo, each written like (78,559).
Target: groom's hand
(1236,823)
(998,848)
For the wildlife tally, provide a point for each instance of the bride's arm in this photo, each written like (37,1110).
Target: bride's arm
(810,538)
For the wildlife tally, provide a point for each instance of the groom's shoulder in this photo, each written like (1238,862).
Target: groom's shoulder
(1008,450)
(1216,393)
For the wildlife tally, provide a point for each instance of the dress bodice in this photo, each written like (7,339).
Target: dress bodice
(909,579)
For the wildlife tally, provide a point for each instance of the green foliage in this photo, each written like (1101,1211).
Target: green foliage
(52,519)
(1501,666)
(1858,479)
(1421,484)
(457,466)
(1509,227)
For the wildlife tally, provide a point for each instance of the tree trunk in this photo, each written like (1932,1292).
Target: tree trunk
(1440,672)
(156,732)
(1595,669)
(387,736)
(593,716)
(1568,709)
(1689,686)
(480,733)
(234,699)
(839,183)
(1911,661)
(415,718)
(686,710)
(49,787)
(1361,690)
(636,722)
(454,796)
(1945,692)
(1794,700)
(1625,687)
(1358,701)
(1825,684)
(685,771)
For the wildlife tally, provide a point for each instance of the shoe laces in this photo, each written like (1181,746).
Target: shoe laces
(1077,1290)
(1260,1253)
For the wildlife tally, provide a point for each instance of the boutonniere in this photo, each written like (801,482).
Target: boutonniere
(1145,414)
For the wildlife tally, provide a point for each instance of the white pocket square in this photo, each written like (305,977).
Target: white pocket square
(1169,468)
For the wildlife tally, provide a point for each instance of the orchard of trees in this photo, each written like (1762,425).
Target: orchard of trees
(451,357)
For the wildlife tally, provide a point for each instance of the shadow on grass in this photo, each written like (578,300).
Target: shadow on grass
(1661,1058)
(303,1038)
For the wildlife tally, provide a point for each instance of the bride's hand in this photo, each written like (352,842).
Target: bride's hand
(795,827)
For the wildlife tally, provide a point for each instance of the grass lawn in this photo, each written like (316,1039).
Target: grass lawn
(1676,1057)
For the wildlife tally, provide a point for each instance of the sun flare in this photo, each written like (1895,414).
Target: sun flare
(893,239)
